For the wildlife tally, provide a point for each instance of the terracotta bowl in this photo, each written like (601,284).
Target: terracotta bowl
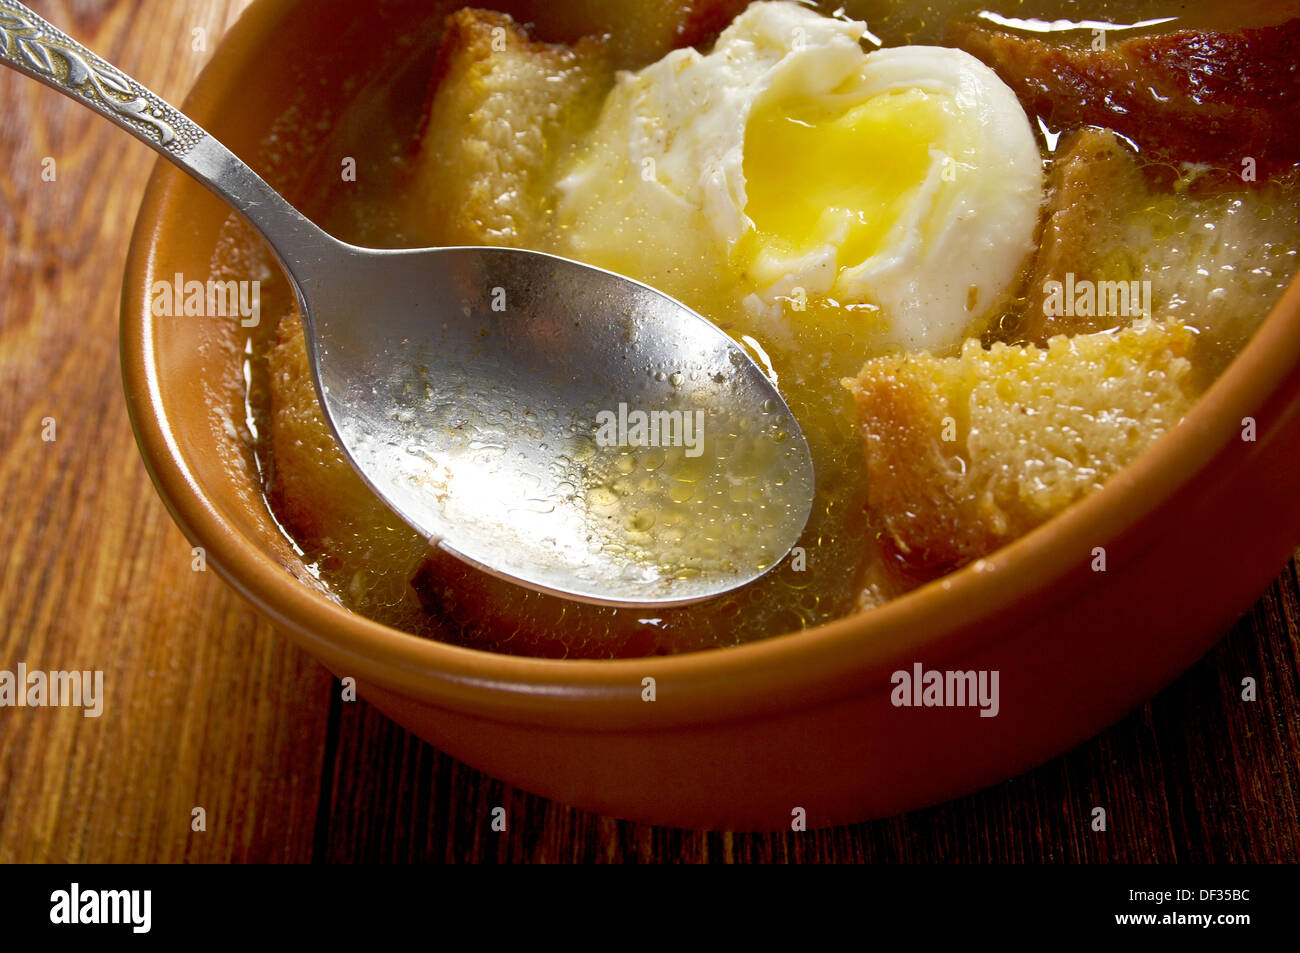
(737,738)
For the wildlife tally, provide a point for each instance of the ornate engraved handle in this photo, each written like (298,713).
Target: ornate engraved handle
(32,46)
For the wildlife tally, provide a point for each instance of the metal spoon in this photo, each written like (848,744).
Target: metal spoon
(506,403)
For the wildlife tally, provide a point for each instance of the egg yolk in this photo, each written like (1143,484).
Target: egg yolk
(816,176)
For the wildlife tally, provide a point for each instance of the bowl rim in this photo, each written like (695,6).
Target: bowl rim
(802,668)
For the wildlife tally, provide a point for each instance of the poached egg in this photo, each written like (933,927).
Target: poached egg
(800,171)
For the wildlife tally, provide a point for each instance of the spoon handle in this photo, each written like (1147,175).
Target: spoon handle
(37,49)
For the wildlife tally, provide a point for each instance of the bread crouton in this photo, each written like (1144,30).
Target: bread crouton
(1214,261)
(1093,181)
(966,453)
(503,108)
(1205,96)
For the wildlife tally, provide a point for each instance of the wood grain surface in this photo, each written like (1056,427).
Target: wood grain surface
(208,707)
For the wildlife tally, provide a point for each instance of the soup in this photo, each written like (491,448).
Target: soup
(1085,276)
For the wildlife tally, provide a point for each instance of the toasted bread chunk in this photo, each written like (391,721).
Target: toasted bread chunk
(503,108)
(1215,261)
(966,453)
(1186,95)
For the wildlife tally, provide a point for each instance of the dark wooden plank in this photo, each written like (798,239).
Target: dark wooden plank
(206,705)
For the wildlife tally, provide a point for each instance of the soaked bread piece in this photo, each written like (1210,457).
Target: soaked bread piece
(1091,184)
(314,490)
(966,453)
(1184,95)
(1214,261)
(504,107)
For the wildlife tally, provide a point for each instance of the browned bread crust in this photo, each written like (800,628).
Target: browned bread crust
(1194,95)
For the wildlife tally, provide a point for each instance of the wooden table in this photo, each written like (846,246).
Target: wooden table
(207,706)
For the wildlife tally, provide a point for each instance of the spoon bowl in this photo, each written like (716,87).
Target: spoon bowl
(556,424)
